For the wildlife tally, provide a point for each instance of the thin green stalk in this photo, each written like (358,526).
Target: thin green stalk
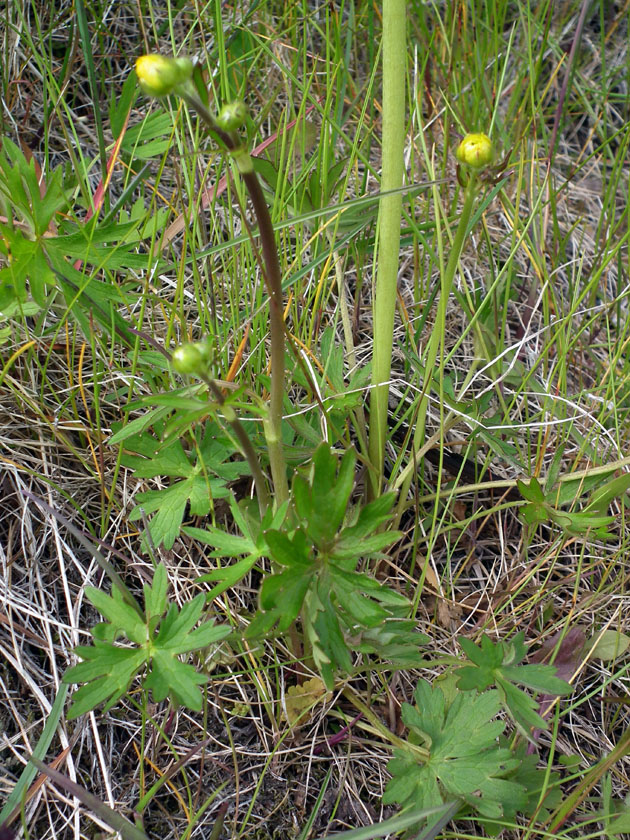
(247,447)
(390,208)
(437,334)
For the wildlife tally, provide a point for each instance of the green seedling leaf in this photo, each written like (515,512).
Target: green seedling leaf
(108,669)
(609,645)
(464,759)
(500,665)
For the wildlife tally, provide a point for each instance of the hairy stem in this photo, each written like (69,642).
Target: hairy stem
(390,208)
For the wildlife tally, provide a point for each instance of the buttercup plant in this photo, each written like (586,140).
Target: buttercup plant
(393,628)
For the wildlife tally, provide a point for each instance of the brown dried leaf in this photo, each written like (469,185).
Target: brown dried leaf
(301,699)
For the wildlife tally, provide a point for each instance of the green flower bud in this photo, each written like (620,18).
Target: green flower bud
(475,150)
(232,115)
(159,75)
(189,358)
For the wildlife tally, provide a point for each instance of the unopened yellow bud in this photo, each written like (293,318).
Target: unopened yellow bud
(232,115)
(159,75)
(475,150)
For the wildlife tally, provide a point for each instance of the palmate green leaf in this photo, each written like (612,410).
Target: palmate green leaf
(169,676)
(108,668)
(178,623)
(395,640)
(285,593)
(322,502)
(356,600)
(350,547)
(226,545)
(533,491)
(371,517)
(319,584)
(159,458)
(203,481)
(111,246)
(464,761)
(521,706)
(326,630)
(228,576)
(290,551)
(500,664)
(169,506)
(121,616)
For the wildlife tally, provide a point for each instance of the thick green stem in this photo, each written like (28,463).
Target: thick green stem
(390,208)
(273,278)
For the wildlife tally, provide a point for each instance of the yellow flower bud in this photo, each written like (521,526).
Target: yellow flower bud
(159,75)
(232,115)
(475,150)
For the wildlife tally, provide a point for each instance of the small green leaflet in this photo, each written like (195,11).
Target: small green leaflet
(500,665)
(203,477)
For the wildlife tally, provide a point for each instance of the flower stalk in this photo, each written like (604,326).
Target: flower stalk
(474,152)
(160,76)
